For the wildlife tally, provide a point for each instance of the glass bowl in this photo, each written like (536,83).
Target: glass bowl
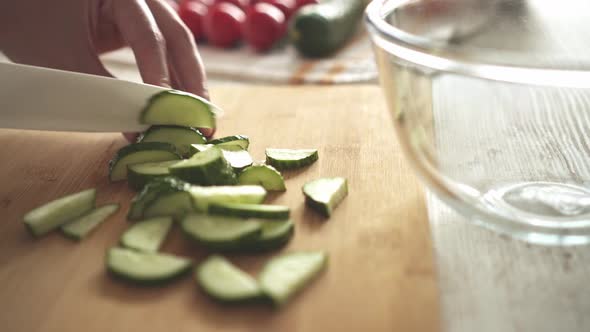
(490,101)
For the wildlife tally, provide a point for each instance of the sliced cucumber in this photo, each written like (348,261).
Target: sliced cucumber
(290,159)
(138,175)
(274,234)
(240,140)
(173,204)
(207,168)
(81,227)
(151,192)
(236,156)
(325,194)
(264,175)
(147,235)
(138,153)
(143,267)
(180,137)
(222,233)
(179,108)
(283,276)
(204,196)
(52,215)
(250,210)
(224,282)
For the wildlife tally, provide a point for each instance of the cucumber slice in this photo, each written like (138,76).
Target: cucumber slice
(222,233)
(274,234)
(240,140)
(81,227)
(205,168)
(283,276)
(180,137)
(175,205)
(264,175)
(50,216)
(138,153)
(138,175)
(178,108)
(224,282)
(250,210)
(151,192)
(143,267)
(291,159)
(236,156)
(147,235)
(205,196)
(325,194)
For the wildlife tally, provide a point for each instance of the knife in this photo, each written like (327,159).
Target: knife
(49,99)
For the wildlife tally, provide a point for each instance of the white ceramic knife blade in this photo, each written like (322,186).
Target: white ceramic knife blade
(48,99)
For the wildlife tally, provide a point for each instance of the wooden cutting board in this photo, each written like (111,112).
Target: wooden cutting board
(381,275)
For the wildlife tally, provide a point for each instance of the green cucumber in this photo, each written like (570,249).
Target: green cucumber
(138,175)
(147,235)
(285,275)
(226,283)
(274,235)
(138,153)
(321,29)
(180,109)
(180,137)
(240,140)
(207,168)
(81,227)
(325,194)
(221,233)
(52,215)
(264,175)
(144,267)
(236,156)
(205,196)
(173,204)
(291,159)
(250,210)
(151,192)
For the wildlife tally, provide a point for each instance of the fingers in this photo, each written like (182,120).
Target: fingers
(138,28)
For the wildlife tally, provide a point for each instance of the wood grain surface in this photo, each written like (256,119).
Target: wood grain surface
(381,275)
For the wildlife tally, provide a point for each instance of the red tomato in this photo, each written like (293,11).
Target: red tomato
(243,4)
(223,24)
(286,6)
(301,3)
(265,24)
(193,13)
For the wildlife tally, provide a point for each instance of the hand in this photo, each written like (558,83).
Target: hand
(71,34)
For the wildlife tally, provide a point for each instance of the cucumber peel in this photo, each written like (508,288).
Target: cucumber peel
(157,188)
(208,167)
(147,235)
(221,233)
(138,153)
(264,175)
(84,225)
(178,108)
(240,140)
(324,195)
(224,282)
(263,211)
(236,156)
(180,137)
(143,267)
(274,234)
(289,158)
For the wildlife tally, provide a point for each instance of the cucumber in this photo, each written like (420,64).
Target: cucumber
(151,192)
(221,233)
(274,234)
(52,215)
(178,108)
(325,194)
(81,227)
(285,275)
(291,159)
(204,196)
(236,156)
(144,267)
(240,140)
(173,204)
(147,235)
(224,282)
(138,175)
(250,210)
(320,29)
(207,168)
(264,175)
(138,153)
(180,137)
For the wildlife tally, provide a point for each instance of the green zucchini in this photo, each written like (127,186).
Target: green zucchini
(157,188)
(264,175)
(221,233)
(275,234)
(291,159)
(180,109)
(52,215)
(205,196)
(226,283)
(240,140)
(250,210)
(138,153)
(325,194)
(147,235)
(180,137)
(320,29)
(138,175)
(145,267)
(81,227)
(236,156)
(207,168)
(285,275)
